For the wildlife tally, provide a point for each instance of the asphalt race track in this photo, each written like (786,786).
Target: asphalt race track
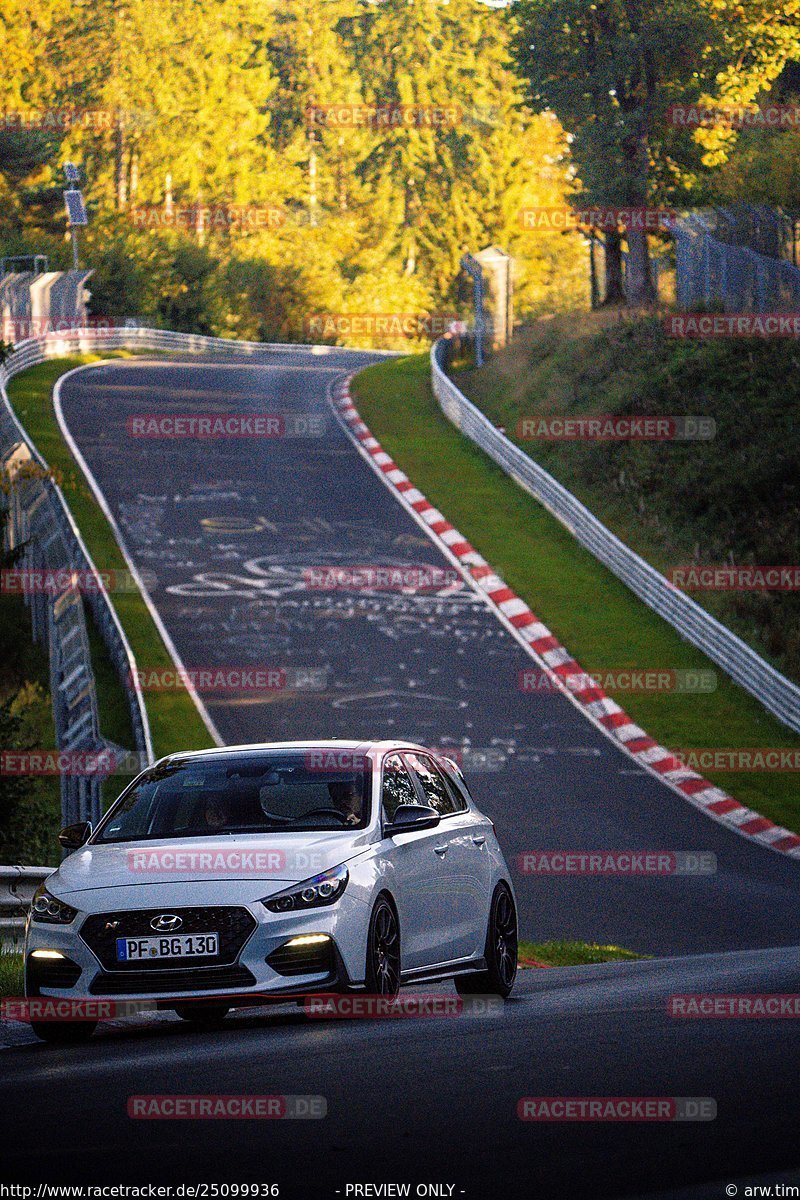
(434,1099)
(226,531)
(227,534)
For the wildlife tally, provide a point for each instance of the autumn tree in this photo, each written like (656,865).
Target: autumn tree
(609,70)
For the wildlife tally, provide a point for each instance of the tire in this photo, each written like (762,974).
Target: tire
(501,951)
(206,1016)
(383,950)
(64,1033)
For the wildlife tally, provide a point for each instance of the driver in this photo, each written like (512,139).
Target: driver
(346,800)
(216,814)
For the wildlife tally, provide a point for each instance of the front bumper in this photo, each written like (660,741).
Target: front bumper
(257,967)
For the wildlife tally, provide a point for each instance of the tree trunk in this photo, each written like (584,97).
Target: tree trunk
(134,186)
(341,180)
(594,285)
(312,184)
(639,286)
(615,293)
(411,241)
(199,219)
(120,177)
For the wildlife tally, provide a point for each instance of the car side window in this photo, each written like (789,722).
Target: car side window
(397,786)
(437,793)
(458,790)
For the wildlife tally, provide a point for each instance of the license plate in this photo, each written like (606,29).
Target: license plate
(184,945)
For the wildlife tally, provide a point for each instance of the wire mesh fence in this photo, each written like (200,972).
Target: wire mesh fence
(726,275)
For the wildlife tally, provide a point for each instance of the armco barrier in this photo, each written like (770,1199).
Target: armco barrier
(41,526)
(17,885)
(777,693)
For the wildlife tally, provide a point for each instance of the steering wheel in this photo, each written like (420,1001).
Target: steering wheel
(277,817)
(327,812)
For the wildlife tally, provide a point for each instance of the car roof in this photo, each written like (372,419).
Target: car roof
(362,747)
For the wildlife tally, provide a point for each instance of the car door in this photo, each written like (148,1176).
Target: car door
(419,877)
(460,847)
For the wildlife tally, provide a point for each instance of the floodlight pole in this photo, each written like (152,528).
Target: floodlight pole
(74,232)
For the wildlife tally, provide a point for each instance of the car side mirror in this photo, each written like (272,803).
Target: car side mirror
(75,836)
(413,816)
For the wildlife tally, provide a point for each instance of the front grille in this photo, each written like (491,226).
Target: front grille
(302,960)
(234,926)
(131,983)
(51,973)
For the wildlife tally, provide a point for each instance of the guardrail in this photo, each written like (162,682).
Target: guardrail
(777,693)
(17,885)
(41,526)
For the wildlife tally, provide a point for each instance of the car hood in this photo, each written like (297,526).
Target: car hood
(280,859)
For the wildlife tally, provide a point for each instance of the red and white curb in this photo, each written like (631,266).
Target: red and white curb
(559,664)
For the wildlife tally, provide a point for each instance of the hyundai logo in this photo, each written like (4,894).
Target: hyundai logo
(166,923)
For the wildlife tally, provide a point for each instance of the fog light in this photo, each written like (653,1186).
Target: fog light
(306,954)
(47,954)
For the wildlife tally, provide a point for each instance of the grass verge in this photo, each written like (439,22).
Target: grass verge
(573,954)
(174,720)
(594,615)
(11,973)
(731,498)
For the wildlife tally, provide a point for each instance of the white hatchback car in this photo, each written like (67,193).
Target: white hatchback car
(239,875)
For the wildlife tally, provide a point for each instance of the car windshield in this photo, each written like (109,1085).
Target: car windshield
(257,793)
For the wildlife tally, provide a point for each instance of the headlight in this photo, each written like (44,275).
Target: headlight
(45,907)
(313,893)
